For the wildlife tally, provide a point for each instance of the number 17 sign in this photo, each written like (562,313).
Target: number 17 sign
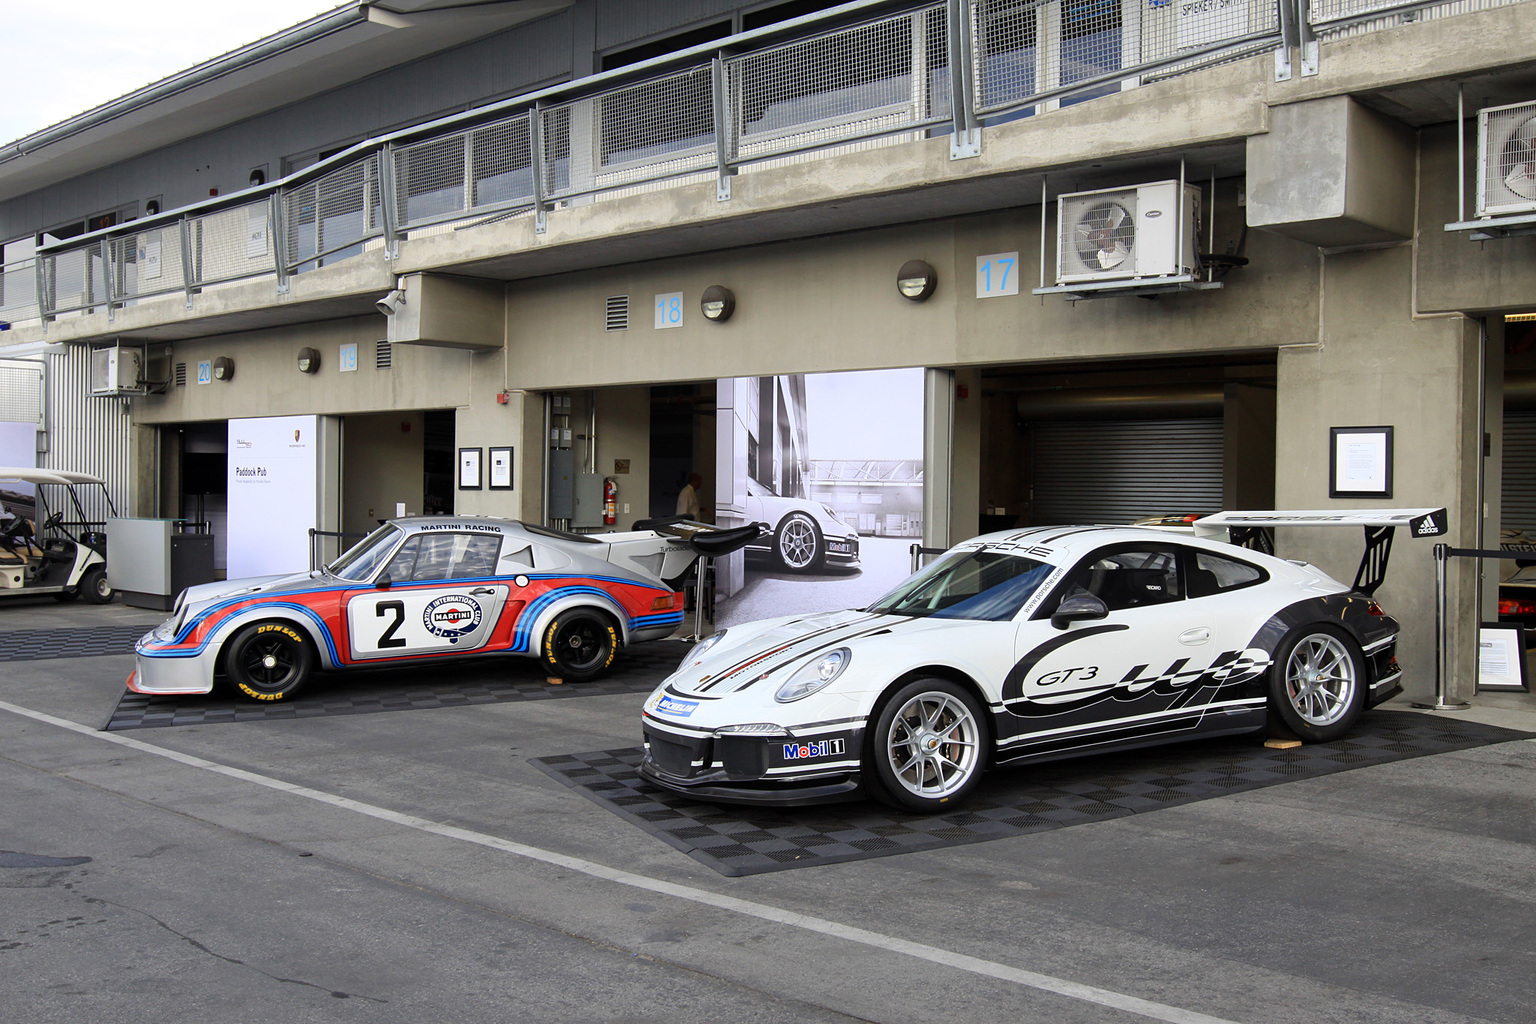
(997,274)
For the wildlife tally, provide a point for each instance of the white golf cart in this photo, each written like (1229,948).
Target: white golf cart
(42,551)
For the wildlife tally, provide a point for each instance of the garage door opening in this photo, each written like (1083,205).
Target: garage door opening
(1117,442)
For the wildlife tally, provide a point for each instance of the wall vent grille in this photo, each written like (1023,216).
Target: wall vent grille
(181,375)
(383,354)
(618,313)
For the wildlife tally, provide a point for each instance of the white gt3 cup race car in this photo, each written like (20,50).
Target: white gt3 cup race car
(421,589)
(1032,645)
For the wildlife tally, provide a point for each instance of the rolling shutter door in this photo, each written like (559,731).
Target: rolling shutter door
(1519,492)
(1120,471)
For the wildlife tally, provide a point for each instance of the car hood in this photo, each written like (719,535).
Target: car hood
(757,650)
(288,583)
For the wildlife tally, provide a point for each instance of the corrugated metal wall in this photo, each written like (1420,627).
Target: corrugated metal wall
(88,435)
(623,21)
(1120,471)
(1519,492)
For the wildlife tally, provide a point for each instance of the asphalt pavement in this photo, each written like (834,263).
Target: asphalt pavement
(413,865)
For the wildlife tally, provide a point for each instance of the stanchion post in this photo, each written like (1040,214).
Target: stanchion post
(1442,645)
(701,570)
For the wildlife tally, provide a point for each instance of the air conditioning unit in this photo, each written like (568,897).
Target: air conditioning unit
(1133,232)
(118,370)
(1506,160)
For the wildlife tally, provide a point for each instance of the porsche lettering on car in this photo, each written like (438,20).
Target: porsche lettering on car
(421,589)
(1021,646)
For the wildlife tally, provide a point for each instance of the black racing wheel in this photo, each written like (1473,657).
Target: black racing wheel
(579,644)
(269,661)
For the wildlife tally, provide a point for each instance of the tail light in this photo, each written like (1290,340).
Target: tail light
(665,602)
(1517,606)
(1372,608)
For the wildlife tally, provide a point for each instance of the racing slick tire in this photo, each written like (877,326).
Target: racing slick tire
(797,543)
(95,585)
(1317,683)
(928,747)
(579,644)
(269,661)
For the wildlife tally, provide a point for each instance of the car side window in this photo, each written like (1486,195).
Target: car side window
(1129,579)
(1210,574)
(445,556)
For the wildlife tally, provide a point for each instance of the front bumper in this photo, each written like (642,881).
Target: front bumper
(158,671)
(843,550)
(772,770)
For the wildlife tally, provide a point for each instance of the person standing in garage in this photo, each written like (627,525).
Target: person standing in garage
(688,497)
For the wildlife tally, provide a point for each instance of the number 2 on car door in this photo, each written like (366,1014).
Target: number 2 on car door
(395,609)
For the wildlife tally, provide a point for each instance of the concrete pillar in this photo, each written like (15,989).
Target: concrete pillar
(1369,362)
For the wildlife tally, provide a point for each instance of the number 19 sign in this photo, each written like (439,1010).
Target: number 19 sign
(997,275)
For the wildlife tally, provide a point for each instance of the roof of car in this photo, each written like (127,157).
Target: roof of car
(1073,540)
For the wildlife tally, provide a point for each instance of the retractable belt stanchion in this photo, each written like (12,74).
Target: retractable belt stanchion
(703,569)
(1442,646)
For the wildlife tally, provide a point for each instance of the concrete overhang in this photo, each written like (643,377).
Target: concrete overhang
(341,46)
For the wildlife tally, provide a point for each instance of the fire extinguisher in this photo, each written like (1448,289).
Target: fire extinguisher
(610,500)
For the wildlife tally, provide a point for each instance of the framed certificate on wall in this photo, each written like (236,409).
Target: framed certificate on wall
(1359,462)
(501,469)
(469,469)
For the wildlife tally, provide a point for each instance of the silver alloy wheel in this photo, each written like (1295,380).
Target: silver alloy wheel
(797,542)
(934,744)
(1320,679)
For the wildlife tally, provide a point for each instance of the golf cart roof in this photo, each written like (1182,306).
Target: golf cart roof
(29,475)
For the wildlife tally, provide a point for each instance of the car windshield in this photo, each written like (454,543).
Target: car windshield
(976,584)
(363,560)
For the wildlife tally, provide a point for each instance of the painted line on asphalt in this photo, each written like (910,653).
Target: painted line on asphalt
(747,908)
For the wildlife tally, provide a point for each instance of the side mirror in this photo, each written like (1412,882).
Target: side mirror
(383,582)
(1078,608)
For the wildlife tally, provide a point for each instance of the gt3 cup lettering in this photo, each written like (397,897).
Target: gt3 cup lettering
(389,639)
(1069,675)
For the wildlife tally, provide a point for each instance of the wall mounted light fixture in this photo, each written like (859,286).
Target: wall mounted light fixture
(916,280)
(717,303)
(224,368)
(309,360)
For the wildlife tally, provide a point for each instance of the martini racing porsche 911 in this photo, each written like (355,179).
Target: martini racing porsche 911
(1028,645)
(427,588)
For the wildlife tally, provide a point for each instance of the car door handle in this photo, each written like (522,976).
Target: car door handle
(483,590)
(1196,636)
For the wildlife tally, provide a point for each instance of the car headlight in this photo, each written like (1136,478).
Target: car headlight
(814,675)
(701,648)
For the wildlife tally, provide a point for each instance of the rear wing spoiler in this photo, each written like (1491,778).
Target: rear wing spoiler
(1252,530)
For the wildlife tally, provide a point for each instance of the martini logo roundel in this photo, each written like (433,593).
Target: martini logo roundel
(451,616)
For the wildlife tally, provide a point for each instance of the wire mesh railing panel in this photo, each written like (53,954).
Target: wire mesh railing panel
(146,262)
(658,128)
(871,79)
(327,220)
(500,165)
(231,244)
(76,279)
(18,292)
(1334,19)
(1026,50)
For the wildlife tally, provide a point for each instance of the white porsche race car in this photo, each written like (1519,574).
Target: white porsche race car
(1026,645)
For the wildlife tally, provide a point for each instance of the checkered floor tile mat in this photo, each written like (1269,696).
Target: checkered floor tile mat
(94,642)
(1013,801)
(365,691)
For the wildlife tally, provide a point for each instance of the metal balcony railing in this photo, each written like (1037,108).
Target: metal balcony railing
(817,83)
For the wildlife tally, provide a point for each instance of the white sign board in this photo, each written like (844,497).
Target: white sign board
(997,275)
(669,310)
(1203,22)
(274,471)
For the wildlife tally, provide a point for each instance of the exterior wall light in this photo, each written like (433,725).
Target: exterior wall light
(309,360)
(916,280)
(224,368)
(717,303)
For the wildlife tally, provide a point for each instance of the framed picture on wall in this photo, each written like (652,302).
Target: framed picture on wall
(1501,657)
(1359,462)
(501,469)
(469,469)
